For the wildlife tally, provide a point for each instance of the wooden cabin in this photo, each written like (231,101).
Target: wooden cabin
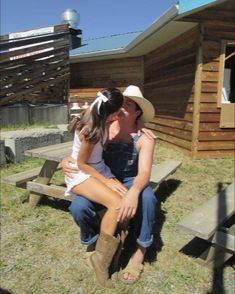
(184,63)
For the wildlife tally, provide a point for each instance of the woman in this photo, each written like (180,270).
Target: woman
(94,180)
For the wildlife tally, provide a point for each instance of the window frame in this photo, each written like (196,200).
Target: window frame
(226,109)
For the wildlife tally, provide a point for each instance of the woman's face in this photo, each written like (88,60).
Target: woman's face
(114,116)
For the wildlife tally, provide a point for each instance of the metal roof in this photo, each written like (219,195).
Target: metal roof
(167,27)
(113,42)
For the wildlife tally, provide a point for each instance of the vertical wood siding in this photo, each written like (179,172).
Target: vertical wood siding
(218,23)
(169,74)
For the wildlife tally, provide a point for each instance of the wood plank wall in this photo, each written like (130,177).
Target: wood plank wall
(89,77)
(35,68)
(169,74)
(218,23)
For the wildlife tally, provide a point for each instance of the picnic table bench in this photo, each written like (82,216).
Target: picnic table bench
(207,222)
(37,181)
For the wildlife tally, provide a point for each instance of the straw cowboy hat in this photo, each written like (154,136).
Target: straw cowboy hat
(134,93)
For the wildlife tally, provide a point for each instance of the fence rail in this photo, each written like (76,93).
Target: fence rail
(34,66)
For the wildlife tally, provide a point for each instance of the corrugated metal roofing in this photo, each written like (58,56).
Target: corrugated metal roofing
(113,42)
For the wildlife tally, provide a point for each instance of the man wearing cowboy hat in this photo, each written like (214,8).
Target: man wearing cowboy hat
(129,154)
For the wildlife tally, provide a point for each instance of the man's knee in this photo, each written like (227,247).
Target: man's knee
(148,197)
(80,207)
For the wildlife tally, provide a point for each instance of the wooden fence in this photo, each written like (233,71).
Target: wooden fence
(34,66)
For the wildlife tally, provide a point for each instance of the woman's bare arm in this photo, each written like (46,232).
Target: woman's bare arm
(68,165)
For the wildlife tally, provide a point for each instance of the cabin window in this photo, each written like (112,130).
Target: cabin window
(227,85)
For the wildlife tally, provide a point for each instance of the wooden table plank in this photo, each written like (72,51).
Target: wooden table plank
(20,179)
(49,190)
(205,220)
(56,155)
(163,170)
(53,152)
(49,148)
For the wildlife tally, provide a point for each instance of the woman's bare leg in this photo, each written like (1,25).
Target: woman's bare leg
(98,192)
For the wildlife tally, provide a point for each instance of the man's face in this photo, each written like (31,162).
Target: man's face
(128,108)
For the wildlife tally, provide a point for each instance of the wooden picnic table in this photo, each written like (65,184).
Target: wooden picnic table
(38,181)
(53,155)
(207,222)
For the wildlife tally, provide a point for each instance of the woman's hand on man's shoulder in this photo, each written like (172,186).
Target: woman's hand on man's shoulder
(149,133)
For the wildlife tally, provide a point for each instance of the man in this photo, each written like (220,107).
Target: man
(129,155)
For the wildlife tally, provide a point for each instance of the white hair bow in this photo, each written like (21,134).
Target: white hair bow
(100,98)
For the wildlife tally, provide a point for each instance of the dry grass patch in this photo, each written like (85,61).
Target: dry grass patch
(41,251)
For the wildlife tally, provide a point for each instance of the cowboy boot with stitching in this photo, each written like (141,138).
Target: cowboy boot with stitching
(114,267)
(101,259)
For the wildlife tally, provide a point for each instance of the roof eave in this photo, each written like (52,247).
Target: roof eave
(104,54)
(199,8)
(156,26)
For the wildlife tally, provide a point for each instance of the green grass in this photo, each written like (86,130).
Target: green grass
(41,251)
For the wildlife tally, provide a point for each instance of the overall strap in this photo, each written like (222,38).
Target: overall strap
(137,136)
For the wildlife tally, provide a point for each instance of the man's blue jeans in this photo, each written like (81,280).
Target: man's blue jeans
(85,214)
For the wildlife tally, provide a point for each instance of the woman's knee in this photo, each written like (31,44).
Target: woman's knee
(115,202)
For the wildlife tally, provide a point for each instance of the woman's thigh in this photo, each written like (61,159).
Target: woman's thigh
(96,191)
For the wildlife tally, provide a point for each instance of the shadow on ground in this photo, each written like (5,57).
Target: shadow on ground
(163,192)
(166,189)
(4,291)
(52,202)
(55,203)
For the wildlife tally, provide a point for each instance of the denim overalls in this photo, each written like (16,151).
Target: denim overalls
(122,158)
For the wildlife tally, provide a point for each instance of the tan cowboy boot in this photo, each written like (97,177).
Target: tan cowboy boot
(89,251)
(114,268)
(101,259)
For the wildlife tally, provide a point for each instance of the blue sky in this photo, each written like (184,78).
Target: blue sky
(97,17)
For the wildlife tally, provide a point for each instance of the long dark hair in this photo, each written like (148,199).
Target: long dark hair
(92,122)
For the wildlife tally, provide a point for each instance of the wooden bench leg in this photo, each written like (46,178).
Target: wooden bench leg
(214,257)
(44,177)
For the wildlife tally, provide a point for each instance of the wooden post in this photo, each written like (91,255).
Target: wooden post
(221,73)
(44,177)
(197,95)
(142,72)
